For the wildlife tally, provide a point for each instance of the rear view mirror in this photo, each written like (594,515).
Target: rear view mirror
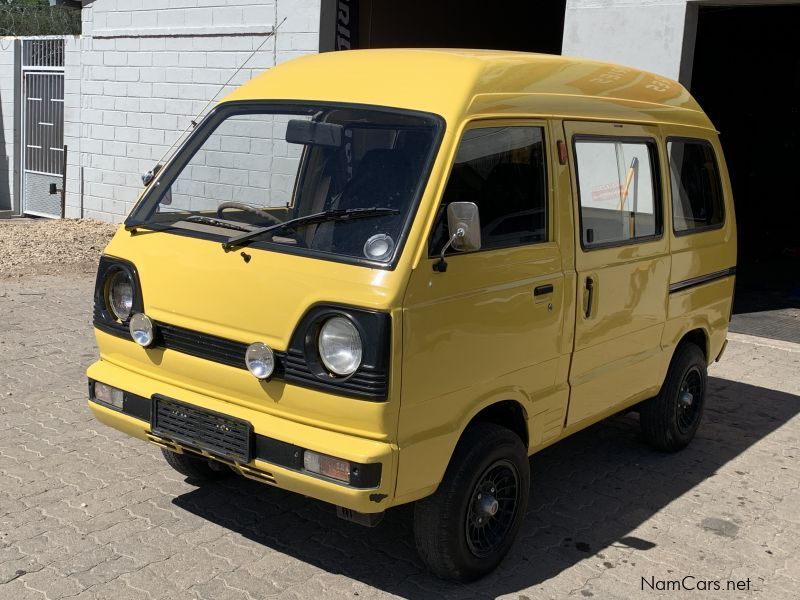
(463,217)
(464,226)
(311,133)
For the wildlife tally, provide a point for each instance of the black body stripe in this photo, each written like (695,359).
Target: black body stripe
(695,281)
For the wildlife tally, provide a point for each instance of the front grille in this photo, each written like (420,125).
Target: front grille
(217,434)
(364,383)
(291,366)
(202,345)
(367,383)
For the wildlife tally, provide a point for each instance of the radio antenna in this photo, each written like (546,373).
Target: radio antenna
(148,177)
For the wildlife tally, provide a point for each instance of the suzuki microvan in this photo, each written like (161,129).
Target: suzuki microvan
(390,276)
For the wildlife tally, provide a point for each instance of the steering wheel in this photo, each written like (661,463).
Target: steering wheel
(223,206)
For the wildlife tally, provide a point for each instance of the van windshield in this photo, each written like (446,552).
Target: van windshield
(358,172)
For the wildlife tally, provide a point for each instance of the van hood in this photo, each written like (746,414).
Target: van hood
(250,295)
(247,294)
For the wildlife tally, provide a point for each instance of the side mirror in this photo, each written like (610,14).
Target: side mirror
(464,226)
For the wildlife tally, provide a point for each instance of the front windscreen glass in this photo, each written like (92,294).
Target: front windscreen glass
(356,172)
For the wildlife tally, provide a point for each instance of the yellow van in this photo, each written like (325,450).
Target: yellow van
(389,276)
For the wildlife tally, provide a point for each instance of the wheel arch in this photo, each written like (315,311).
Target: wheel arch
(700,338)
(505,413)
(422,466)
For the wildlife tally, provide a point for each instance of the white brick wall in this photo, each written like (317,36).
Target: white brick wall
(7,87)
(246,159)
(146,68)
(647,34)
(181,17)
(72,123)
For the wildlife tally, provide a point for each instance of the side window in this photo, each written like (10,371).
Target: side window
(618,191)
(503,171)
(696,189)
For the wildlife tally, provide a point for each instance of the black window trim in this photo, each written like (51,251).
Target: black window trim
(702,142)
(658,190)
(238,106)
(494,124)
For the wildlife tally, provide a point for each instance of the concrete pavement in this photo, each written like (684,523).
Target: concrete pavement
(86,512)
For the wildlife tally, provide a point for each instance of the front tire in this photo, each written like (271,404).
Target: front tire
(468,525)
(670,420)
(195,467)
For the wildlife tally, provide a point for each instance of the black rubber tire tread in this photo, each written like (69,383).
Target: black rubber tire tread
(194,467)
(657,416)
(439,519)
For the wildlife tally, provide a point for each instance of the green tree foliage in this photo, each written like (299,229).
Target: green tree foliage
(37,17)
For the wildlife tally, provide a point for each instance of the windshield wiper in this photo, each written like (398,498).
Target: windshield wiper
(345,214)
(219,223)
(132,225)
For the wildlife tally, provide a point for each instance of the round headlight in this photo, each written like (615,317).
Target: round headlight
(340,346)
(260,360)
(141,328)
(120,295)
(379,247)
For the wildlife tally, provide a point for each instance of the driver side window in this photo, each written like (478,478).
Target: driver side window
(503,171)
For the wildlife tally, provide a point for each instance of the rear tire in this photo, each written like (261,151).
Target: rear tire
(468,525)
(670,420)
(195,467)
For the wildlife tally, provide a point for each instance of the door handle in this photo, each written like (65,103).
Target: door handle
(590,299)
(541,290)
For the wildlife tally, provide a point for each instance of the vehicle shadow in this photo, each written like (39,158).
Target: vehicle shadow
(589,492)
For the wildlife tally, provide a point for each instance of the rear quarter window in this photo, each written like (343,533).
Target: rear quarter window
(697,200)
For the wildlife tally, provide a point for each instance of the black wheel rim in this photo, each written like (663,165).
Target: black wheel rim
(492,508)
(690,400)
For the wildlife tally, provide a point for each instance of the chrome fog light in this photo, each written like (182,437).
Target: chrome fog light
(260,360)
(141,328)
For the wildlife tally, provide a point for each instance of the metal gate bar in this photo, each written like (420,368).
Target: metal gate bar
(42,124)
(43,52)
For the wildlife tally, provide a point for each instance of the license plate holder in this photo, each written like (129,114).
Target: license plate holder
(198,428)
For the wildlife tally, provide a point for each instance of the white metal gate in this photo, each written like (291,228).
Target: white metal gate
(42,125)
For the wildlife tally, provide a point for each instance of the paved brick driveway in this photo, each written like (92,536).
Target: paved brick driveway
(86,512)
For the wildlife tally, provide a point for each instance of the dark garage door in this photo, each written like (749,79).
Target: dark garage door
(746,76)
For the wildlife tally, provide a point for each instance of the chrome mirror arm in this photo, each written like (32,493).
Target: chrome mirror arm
(440,266)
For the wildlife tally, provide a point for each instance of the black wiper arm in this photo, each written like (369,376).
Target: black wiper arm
(219,223)
(320,217)
(131,225)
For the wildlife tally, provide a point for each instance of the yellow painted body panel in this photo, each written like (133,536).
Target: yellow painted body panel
(617,358)
(350,447)
(707,307)
(464,339)
(193,283)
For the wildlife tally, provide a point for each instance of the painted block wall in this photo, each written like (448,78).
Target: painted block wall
(72,123)
(646,34)
(8,77)
(246,159)
(144,71)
